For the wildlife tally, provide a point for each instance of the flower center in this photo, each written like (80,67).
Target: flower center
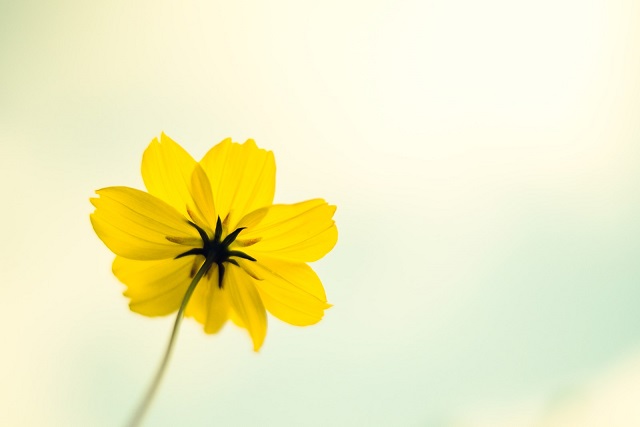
(217,249)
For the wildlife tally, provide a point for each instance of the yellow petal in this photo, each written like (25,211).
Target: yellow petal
(292,292)
(235,319)
(302,232)
(253,218)
(155,288)
(246,303)
(209,305)
(243,178)
(166,171)
(135,225)
(203,211)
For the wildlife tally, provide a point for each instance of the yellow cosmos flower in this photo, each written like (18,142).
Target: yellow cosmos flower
(207,238)
(207,241)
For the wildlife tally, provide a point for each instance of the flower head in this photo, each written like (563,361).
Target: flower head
(218,216)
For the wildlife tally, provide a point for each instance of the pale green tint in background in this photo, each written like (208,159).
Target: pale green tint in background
(484,158)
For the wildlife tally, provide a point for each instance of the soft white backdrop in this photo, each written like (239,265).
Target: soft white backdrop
(484,160)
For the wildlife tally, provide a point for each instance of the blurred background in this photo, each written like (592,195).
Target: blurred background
(484,158)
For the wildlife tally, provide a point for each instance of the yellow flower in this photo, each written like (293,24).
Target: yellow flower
(216,218)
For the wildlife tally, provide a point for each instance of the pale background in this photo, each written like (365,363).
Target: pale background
(484,157)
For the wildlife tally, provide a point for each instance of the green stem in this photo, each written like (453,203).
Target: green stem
(153,388)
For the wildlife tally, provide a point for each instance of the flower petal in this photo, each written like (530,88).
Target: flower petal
(155,288)
(246,303)
(209,304)
(166,172)
(203,211)
(135,225)
(243,178)
(302,232)
(292,292)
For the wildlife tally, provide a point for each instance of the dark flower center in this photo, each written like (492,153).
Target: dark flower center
(217,249)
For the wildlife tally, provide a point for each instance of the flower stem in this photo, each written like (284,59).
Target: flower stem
(153,388)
